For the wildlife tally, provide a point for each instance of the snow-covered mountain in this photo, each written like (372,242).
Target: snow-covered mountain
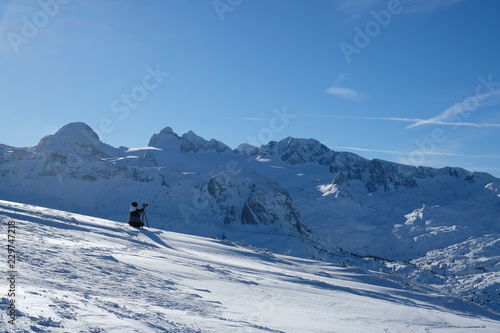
(77,273)
(294,196)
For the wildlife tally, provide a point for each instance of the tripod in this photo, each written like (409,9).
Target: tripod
(144,218)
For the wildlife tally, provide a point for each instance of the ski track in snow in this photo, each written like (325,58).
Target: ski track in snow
(83,274)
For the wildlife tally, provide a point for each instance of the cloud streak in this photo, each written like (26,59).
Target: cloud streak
(361,118)
(345,93)
(469,104)
(416,121)
(395,152)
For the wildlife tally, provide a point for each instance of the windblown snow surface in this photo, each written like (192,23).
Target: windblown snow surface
(77,273)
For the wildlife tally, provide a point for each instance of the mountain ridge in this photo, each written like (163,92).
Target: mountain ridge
(293,195)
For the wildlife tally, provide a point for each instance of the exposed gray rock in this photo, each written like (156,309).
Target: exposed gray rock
(252,199)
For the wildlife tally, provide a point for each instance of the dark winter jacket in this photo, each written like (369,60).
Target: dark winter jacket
(135,215)
(134,211)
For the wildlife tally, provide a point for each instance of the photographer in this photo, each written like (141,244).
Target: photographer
(135,215)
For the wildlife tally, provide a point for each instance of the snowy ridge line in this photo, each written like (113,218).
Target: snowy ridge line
(61,219)
(74,221)
(107,277)
(293,196)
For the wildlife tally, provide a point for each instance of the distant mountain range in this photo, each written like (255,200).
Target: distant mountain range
(436,226)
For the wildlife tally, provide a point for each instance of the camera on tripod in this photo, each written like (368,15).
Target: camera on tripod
(145,205)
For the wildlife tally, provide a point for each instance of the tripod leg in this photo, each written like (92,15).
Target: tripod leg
(144,218)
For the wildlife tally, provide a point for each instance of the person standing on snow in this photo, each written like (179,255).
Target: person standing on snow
(135,215)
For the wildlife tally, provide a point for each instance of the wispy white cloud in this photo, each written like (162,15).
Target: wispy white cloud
(482,125)
(346,93)
(361,118)
(469,104)
(410,120)
(395,152)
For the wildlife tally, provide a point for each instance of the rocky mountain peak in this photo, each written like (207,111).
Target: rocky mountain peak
(295,151)
(76,137)
(77,130)
(193,143)
(247,149)
(165,139)
(188,142)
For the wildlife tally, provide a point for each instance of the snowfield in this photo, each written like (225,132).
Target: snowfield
(77,273)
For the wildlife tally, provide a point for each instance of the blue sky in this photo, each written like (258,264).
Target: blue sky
(415,82)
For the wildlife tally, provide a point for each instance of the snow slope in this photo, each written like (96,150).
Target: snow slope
(440,227)
(78,273)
